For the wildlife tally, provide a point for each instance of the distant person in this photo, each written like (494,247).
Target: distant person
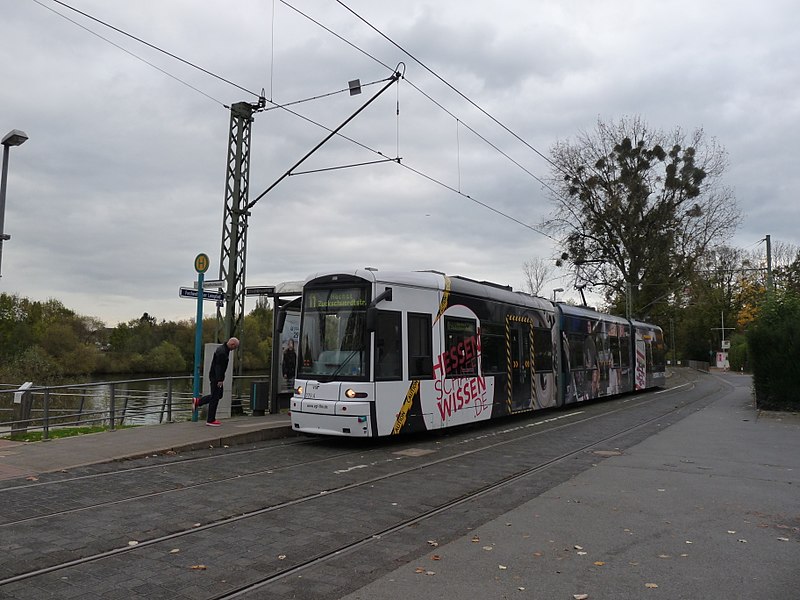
(289,361)
(216,375)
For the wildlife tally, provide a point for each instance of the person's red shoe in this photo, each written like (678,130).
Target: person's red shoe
(213,423)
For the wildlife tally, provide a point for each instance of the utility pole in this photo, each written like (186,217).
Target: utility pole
(628,300)
(234,219)
(233,254)
(722,329)
(769,265)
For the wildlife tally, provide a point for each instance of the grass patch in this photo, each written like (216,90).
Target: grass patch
(60,432)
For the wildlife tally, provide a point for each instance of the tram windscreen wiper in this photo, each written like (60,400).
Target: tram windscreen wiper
(344,362)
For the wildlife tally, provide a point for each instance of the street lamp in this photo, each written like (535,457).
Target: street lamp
(15,137)
(555,291)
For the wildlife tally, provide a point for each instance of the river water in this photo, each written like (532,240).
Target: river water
(142,400)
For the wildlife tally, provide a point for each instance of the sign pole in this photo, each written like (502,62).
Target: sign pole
(201,266)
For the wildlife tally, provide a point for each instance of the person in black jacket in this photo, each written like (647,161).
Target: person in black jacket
(216,375)
(289,362)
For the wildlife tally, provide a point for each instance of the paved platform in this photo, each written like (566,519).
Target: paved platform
(708,508)
(20,459)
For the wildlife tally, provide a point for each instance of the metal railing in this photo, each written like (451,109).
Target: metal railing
(108,404)
(699,365)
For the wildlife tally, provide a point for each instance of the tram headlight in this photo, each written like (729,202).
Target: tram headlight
(351,393)
(299,390)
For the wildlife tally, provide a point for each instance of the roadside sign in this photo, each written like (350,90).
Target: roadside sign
(201,263)
(259,291)
(192,293)
(211,284)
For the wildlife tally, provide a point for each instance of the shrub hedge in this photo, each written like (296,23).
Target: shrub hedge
(774,342)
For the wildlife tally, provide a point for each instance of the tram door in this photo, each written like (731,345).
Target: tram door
(520,372)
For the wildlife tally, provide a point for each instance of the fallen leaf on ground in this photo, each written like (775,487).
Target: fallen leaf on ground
(475,539)
(652,586)
(599,563)
(783,539)
(436,557)
(581,596)
(743,541)
(281,557)
(433,543)
(488,548)
(419,570)
(502,567)
(581,553)
(430,573)
(578,547)
(133,543)
(537,554)
(198,567)
(731,532)
(32,478)
(663,556)
(174,550)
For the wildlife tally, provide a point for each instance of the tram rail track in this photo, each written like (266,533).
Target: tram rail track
(381,532)
(229,456)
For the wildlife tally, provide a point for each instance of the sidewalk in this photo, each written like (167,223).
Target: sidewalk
(21,459)
(708,508)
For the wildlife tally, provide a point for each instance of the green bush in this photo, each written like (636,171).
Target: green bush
(774,341)
(737,355)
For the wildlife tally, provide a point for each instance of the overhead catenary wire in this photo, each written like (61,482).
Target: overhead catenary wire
(428,96)
(125,50)
(444,81)
(285,106)
(152,46)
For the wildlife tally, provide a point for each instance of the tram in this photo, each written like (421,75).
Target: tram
(389,353)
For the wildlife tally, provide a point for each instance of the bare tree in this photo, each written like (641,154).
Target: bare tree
(536,271)
(640,206)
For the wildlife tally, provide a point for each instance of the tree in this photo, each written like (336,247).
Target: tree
(536,272)
(639,207)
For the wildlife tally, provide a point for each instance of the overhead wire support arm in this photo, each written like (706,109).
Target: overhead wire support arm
(393,79)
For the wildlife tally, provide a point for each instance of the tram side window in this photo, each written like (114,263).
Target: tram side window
(576,350)
(625,350)
(614,350)
(493,354)
(461,347)
(388,346)
(542,349)
(420,349)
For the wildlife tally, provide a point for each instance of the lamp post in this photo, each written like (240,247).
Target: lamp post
(15,137)
(555,291)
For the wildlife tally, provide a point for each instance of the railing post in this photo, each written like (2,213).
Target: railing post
(80,408)
(111,408)
(46,415)
(169,400)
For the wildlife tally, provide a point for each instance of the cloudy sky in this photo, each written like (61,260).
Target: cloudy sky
(121,183)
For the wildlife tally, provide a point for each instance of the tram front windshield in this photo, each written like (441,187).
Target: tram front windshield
(333,334)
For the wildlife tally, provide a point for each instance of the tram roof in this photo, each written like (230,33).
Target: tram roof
(437,280)
(589,313)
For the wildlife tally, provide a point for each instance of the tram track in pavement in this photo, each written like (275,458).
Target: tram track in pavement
(170,486)
(193,463)
(378,533)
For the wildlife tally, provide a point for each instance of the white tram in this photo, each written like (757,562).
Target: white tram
(388,353)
